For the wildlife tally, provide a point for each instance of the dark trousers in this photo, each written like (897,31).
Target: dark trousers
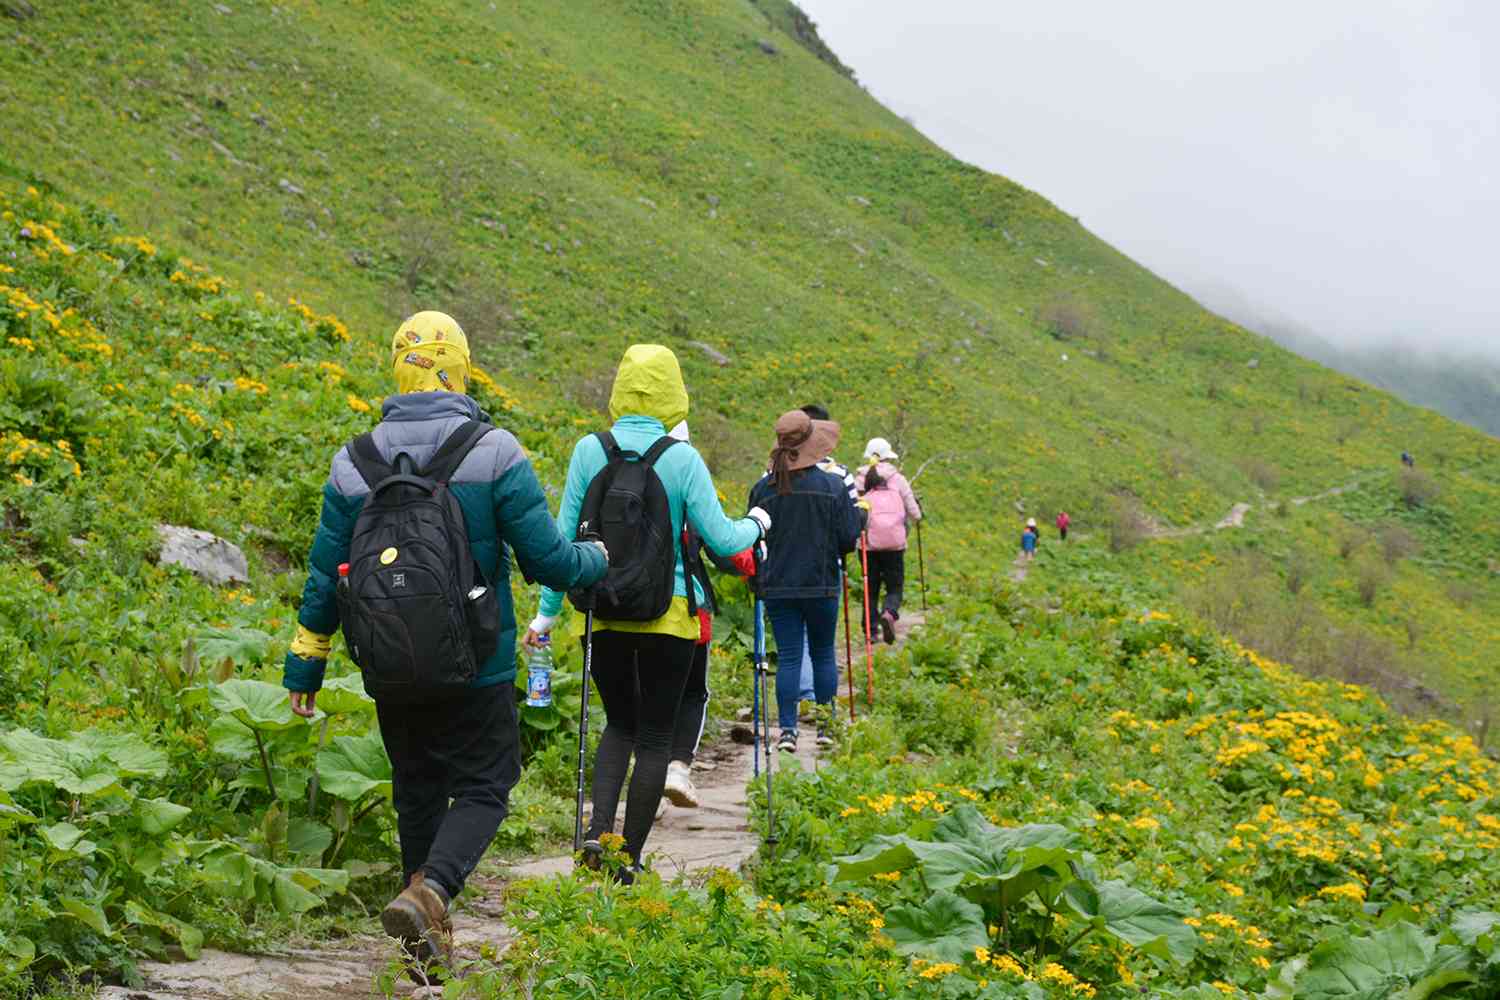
(693,711)
(887,572)
(815,621)
(640,677)
(453,764)
(1062,533)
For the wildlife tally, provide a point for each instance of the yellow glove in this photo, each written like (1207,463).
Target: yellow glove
(863,505)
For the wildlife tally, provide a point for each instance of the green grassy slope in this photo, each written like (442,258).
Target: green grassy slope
(567,179)
(571,178)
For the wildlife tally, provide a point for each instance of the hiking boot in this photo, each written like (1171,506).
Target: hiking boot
(788,741)
(592,855)
(825,738)
(679,787)
(418,918)
(888,627)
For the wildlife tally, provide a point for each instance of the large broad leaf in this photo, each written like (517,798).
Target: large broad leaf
(12,814)
(255,704)
(188,936)
(947,927)
(968,850)
(345,695)
(158,815)
(68,839)
(240,646)
(881,855)
(91,915)
(1480,930)
(86,763)
(307,837)
(16,952)
(228,737)
(351,767)
(1145,923)
(1395,962)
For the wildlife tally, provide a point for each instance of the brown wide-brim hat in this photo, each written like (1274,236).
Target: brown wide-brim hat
(805,441)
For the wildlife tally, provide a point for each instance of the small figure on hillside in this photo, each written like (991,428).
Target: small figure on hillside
(447,711)
(1063,520)
(1407,460)
(892,504)
(1029,540)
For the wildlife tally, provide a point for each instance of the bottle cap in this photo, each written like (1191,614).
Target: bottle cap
(343,569)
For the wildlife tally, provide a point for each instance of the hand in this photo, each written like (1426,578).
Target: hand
(540,626)
(760,517)
(304,703)
(600,545)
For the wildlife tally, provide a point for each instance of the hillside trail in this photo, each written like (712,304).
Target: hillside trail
(717,834)
(1236,516)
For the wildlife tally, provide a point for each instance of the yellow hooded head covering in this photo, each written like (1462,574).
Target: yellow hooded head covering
(649,384)
(430,352)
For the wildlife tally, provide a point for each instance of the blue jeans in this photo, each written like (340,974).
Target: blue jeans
(813,620)
(805,690)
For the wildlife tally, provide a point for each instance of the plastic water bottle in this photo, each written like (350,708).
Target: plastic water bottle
(539,674)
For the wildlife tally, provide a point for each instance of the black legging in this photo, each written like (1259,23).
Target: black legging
(640,677)
(693,711)
(888,572)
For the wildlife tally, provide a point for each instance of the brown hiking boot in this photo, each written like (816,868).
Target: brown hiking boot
(418,918)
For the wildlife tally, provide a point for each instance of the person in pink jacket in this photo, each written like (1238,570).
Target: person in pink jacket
(892,504)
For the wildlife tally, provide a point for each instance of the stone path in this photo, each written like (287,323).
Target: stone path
(715,835)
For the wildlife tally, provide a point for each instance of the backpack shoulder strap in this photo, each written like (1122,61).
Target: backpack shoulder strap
(368,462)
(658,448)
(451,454)
(611,447)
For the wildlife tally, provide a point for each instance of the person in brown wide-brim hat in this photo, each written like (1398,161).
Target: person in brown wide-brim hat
(801,443)
(800,578)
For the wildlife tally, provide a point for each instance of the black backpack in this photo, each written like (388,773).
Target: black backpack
(418,616)
(626,506)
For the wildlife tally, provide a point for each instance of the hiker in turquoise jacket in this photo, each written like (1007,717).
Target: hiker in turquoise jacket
(642,668)
(464,749)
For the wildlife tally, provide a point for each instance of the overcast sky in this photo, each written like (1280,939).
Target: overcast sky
(1333,162)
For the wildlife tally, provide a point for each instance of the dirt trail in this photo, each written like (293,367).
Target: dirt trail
(715,835)
(1236,516)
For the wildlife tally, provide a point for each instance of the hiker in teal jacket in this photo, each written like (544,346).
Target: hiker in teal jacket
(464,749)
(642,667)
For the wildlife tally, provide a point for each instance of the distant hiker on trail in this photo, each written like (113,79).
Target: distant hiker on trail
(445,696)
(892,504)
(693,712)
(1063,520)
(830,465)
(647,627)
(815,523)
(1029,539)
(1407,460)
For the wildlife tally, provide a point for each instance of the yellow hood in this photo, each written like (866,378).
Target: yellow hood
(649,384)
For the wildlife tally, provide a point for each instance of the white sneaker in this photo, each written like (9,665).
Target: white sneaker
(679,788)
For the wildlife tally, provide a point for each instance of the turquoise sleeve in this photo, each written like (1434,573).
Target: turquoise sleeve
(721,534)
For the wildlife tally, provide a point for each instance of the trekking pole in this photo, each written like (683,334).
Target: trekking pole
(763,699)
(864,558)
(583,720)
(922,566)
(848,643)
(760,641)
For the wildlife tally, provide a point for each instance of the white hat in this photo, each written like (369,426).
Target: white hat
(680,432)
(880,448)
(1031,522)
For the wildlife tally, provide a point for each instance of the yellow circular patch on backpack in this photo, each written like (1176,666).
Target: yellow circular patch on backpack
(388,556)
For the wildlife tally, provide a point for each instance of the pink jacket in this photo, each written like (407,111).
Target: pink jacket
(891,506)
